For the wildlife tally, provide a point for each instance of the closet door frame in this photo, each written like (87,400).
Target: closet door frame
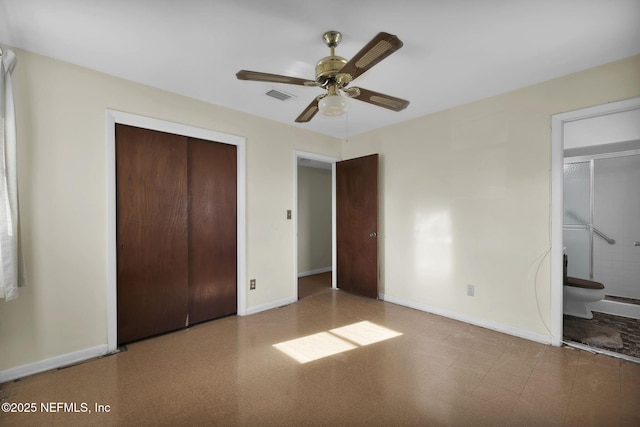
(114,117)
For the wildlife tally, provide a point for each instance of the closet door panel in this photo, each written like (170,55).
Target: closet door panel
(152,239)
(212,230)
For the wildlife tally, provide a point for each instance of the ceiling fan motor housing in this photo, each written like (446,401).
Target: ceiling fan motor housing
(327,69)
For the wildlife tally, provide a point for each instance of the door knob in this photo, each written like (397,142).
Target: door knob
(373,234)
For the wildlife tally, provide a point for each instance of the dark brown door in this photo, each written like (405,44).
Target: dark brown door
(357,225)
(151,182)
(212,230)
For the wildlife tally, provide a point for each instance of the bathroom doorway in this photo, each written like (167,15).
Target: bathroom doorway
(601,235)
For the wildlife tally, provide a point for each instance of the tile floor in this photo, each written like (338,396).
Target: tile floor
(629,331)
(438,372)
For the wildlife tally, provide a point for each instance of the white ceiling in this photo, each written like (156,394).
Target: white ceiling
(455,51)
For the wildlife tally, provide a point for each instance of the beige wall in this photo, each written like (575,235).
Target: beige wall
(314,219)
(62,172)
(466,199)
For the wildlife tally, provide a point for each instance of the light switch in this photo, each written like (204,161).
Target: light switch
(289,214)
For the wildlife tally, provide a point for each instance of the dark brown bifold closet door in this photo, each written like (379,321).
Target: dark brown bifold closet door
(151,185)
(176,231)
(212,230)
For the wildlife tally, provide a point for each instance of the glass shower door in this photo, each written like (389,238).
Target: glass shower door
(577,219)
(616,212)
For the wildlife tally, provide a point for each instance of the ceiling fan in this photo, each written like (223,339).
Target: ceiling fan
(334,73)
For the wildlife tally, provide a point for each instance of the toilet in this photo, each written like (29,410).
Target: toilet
(578,293)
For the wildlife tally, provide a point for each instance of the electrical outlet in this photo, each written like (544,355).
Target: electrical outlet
(471,290)
(252,284)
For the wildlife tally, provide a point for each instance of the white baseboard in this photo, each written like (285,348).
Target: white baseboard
(499,327)
(315,271)
(53,363)
(270,305)
(100,350)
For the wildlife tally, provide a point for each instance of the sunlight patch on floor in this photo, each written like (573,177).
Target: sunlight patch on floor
(365,333)
(338,340)
(313,347)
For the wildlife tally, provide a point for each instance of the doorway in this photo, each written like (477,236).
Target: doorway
(314,224)
(117,117)
(583,143)
(354,231)
(601,240)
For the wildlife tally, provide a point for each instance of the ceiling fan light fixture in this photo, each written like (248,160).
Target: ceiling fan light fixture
(333,105)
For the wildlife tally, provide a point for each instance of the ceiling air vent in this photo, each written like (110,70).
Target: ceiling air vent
(277,94)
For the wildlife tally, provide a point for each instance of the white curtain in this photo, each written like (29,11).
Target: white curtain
(9,267)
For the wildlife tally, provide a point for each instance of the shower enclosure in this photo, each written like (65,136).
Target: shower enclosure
(601,229)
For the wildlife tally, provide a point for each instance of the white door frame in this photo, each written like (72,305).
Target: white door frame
(117,117)
(327,159)
(557,172)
